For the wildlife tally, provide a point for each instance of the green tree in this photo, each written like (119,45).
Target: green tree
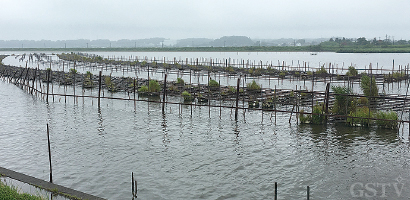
(368,86)
(362,41)
(344,104)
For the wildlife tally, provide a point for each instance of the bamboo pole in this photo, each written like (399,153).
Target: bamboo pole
(237,98)
(99,88)
(49,154)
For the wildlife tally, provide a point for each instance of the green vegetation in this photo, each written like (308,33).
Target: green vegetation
(72,71)
(231,89)
(187,96)
(154,86)
(387,116)
(229,69)
(395,76)
(154,64)
(213,83)
(180,81)
(109,84)
(317,118)
(352,71)
(282,74)
(344,104)
(303,118)
(253,86)
(88,83)
(368,86)
(361,113)
(322,70)
(363,101)
(11,192)
(143,88)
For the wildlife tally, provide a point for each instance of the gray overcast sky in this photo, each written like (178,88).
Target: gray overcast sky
(177,19)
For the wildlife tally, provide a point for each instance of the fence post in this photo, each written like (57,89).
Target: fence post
(327,100)
(99,88)
(165,91)
(48,82)
(237,98)
(49,154)
(276,191)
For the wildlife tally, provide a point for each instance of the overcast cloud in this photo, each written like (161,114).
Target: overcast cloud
(177,19)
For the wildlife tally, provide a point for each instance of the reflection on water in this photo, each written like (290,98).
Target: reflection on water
(100,122)
(207,154)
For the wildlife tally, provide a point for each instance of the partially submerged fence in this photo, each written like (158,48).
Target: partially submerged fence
(304,106)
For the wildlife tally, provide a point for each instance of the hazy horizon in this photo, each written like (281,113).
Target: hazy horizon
(179,19)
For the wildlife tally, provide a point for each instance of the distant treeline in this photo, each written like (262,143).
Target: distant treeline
(227,43)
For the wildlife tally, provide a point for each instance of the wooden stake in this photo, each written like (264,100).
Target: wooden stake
(237,99)
(49,154)
(165,91)
(99,88)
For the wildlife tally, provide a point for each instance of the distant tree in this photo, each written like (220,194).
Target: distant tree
(362,41)
(401,42)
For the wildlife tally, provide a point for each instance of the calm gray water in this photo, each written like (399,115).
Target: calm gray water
(179,156)
(176,156)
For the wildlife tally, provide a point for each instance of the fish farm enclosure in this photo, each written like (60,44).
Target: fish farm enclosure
(224,128)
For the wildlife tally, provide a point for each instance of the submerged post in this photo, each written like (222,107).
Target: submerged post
(49,154)
(99,88)
(237,98)
(308,193)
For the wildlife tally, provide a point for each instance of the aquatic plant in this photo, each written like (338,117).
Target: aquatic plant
(361,113)
(213,83)
(304,119)
(110,85)
(231,89)
(318,117)
(368,86)
(344,104)
(253,86)
(352,71)
(187,96)
(180,81)
(388,115)
(88,83)
(322,70)
(229,69)
(143,88)
(363,101)
(282,74)
(73,71)
(154,86)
